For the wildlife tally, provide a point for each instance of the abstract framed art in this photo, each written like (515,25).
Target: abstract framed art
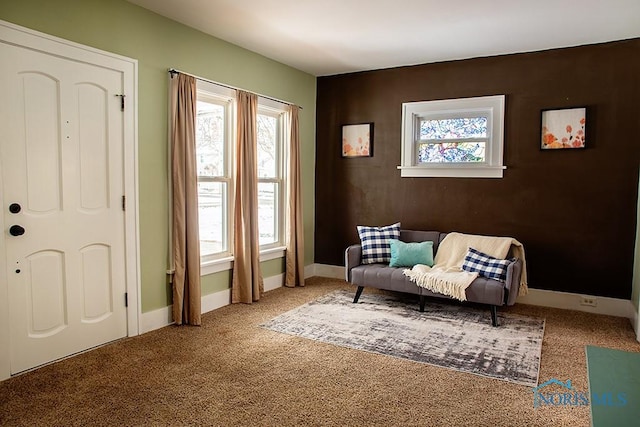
(563,128)
(357,140)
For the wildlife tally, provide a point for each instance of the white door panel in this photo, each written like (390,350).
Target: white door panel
(45,293)
(93,102)
(62,161)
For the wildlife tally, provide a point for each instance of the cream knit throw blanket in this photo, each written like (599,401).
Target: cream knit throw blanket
(447,277)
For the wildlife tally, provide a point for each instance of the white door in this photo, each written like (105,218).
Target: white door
(61,154)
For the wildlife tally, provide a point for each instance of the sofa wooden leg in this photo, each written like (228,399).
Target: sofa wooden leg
(358,293)
(494,315)
(422,301)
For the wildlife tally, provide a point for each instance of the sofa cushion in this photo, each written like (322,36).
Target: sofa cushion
(409,254)
(375,242)
(381,276)
(485,265)
(481,290)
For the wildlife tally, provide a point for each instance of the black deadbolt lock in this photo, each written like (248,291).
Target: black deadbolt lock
(14,208)
(16,230)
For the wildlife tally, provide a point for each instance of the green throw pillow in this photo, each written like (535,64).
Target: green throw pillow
(409,254)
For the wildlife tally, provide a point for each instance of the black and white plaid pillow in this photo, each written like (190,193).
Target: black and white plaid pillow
(486,265)
(375,242)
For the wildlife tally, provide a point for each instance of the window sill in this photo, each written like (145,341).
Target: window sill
(216,266)
(452,172)
(226,263)
(272,253)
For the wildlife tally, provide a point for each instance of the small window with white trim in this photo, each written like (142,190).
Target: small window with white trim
(453,138)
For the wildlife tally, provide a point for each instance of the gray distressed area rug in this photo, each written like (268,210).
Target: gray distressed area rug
(448,335)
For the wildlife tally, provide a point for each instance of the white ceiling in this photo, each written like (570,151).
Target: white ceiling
(324,37)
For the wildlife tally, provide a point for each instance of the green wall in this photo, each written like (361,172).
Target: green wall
(158,44)
(221,281)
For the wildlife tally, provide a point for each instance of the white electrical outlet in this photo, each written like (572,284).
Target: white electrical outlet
(588,301)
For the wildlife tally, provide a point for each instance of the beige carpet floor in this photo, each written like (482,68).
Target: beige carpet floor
(230,372)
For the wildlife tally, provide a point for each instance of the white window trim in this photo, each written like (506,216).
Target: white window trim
(224,264)
(413,112)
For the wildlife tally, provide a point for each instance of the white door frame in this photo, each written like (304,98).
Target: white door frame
(23,37)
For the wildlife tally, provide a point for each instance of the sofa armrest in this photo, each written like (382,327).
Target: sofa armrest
(512,284)
(352,258)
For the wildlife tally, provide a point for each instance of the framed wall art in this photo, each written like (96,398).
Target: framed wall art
(357,140)
(563,128)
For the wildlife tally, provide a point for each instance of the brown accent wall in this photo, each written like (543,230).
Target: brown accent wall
(574,210)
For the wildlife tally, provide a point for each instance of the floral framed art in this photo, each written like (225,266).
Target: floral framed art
(357,140)
(563,128)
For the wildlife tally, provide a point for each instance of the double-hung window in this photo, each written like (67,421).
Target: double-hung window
(214,151)
(270,127)
(215,142)
(453,138)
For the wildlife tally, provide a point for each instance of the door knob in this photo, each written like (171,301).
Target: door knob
(14,208)
(16,230)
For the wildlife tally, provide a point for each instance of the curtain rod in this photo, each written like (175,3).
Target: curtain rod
(173,71)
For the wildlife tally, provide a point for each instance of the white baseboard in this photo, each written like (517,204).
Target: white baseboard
(565,300)
(156,319)
(274,282)
(215,300)
(571,301)
(309,271)
(162,317)
(331,271)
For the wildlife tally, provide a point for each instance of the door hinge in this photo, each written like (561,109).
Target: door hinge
(126,299)
(121,101)
(124,203)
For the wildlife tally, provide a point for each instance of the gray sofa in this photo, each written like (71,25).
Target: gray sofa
(482,290)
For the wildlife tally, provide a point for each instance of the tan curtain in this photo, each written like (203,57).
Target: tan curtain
(247,284)
(295,230)
(185,238)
